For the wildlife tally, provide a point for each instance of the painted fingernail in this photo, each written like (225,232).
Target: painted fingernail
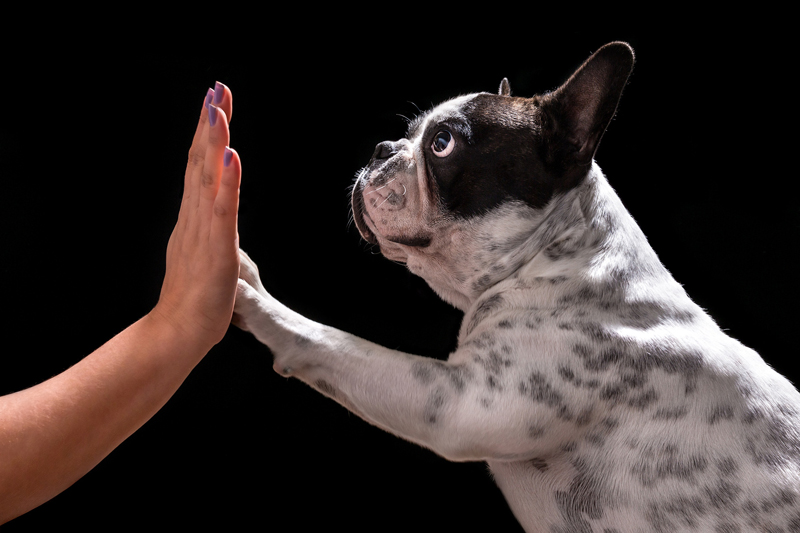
(226,159)
(219,92)
(212,115)
(209,97)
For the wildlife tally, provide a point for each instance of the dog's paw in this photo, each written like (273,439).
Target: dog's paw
(248,272)
(244,304)
(249,292)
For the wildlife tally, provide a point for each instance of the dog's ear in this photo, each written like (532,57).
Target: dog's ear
(577,114)
(505,88)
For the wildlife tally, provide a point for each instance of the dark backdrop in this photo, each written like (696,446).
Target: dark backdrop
(94,139)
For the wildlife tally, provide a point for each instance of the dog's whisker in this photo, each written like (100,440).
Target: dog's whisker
(376,189)
(383,202)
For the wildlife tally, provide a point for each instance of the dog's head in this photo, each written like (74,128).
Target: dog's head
(470,156)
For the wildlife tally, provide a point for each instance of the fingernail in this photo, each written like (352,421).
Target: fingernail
(226,159)
(219,92)
(212,115)
(209,97)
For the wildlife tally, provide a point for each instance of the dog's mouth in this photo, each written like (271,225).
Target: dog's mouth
(366,226)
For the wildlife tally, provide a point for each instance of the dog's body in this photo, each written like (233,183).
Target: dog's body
(601,396)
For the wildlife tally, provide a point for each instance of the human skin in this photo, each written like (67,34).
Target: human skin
(55,432)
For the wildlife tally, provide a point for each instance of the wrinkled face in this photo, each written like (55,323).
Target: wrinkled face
(459,161)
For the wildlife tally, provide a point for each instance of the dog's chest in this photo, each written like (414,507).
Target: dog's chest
(660,421)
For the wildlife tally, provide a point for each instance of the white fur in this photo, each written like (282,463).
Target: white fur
(600,395)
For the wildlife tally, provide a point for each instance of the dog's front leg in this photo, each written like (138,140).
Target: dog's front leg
(430,402)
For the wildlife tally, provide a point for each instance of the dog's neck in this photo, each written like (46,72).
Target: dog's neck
(581,233)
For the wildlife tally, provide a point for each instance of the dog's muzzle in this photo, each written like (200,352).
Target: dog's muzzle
(383,152)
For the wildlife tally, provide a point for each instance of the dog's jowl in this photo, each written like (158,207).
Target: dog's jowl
(602,398)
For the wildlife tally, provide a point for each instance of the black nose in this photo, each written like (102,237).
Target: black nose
(384,150)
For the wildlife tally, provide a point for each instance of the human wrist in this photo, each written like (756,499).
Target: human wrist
(166,325)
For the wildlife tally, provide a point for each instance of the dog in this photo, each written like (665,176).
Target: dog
(601,397)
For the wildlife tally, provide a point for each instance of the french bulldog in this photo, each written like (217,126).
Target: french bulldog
(602,398)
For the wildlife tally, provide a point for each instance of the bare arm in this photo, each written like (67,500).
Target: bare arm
(55,432)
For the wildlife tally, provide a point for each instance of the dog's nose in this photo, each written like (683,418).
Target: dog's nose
(385,150)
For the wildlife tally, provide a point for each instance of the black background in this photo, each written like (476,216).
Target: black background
(95,131)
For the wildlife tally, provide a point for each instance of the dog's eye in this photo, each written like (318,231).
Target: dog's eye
(443,143)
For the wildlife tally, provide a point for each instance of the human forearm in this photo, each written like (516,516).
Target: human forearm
(55,432)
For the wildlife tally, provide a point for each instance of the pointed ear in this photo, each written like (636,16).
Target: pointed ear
(505,88)
(578,113)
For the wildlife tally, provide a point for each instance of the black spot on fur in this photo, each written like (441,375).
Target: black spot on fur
(325,388)
(563,249)
(728,527)
(536,431)
(423,372)
(629,368)
(719,413)
(723,496)
(483,341)
(538,389)
(667,462)
(427,372)
(676,514)
(483,310)
(433,407)
(494,362)
(727,466)
(302,341)
(584,500)
(675,413)
(775,442)
(539,464)
(566,374)
(482,283)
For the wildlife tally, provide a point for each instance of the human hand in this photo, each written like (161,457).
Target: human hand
(199,287)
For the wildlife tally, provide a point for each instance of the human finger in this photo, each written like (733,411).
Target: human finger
(218,138)
(197,151)
(223,99)
(224,232)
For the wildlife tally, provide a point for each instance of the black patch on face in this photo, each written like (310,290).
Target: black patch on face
(498,157)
